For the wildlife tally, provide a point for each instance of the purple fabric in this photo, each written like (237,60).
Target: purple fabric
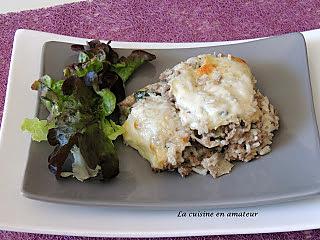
(302,235)
(162,21)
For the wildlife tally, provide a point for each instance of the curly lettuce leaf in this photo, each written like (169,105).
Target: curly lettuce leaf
(75,117)
(83,57)
(37,128)
(84,110)
(51,95)
(127,66)
(81,69)
(108,101)
(97,149)
(112,130)
(46,85)
(60,154)
(80,169)
(109,80)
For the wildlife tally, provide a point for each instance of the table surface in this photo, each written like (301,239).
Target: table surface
(20,5)
(179,21)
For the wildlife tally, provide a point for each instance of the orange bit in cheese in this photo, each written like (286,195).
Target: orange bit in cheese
(206,69)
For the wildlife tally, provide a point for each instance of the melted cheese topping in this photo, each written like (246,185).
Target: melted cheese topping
(213,91)
(153,128)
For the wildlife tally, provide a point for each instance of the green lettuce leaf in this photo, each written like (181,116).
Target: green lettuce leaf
(125,67)
(112,130)
(83,111)
(108,101)
(37,128)
(51,94)
(83,57)
(81,69)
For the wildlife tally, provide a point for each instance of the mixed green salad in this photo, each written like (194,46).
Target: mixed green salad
(83,113)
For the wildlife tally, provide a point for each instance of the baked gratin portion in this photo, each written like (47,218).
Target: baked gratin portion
(203,114)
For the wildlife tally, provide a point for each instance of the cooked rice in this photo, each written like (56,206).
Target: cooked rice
(215,151)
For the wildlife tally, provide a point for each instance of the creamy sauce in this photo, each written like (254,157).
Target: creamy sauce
(217,92)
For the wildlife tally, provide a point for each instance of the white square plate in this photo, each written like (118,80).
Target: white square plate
(21,214)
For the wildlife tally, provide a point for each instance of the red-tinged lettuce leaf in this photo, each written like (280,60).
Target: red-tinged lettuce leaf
(96,48)
(80,169)
(85,96)
(52,137)
(77,47)
(84,110)
(82,68)
(74,118)
(112,81)
(115,84)
(91,57)
(60,154)
(68,85)
(97,149)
